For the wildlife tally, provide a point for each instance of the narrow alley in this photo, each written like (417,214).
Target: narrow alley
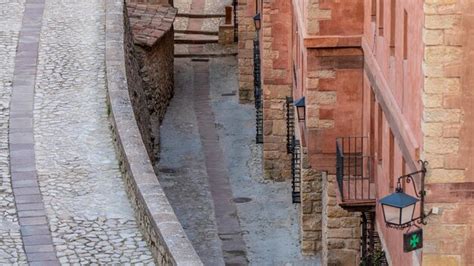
(190,172)
(211,168)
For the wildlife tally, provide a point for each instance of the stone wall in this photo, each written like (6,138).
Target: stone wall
(155,216)
(334,98)
(448,127)
(153,36)
(311,208)
(246,29)
(340,229)
(276,76)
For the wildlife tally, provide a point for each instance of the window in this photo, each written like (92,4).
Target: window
(391,159)
(379,133)
(392,26)
(405,35)
(374,10)
(373,106)
(381,11)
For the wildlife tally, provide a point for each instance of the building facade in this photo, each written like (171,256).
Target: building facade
(385,83)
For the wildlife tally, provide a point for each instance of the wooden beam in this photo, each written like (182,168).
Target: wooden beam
(397,122)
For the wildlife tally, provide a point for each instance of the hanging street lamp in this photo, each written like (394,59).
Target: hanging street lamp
(301,109)
(257,22)
(399,208)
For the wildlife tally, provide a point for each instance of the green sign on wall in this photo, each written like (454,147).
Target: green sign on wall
(413,240)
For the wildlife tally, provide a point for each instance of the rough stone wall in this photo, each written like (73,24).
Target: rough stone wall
(157,71)
(246,29)
(340,229)
(136,89)
(276,76)
(155,216)
(311,208)
(153,38)
(448,129)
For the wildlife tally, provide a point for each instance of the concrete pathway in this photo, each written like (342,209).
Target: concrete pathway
(67,186)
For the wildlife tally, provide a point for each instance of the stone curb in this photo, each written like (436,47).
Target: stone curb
(162,230)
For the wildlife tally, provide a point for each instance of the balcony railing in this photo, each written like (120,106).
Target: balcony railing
(296,171)
(354,172)
(290,124)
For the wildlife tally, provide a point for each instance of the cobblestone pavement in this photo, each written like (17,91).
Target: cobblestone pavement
(89,214)
(11,249)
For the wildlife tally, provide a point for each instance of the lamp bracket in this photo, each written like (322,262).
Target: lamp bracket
(419,194)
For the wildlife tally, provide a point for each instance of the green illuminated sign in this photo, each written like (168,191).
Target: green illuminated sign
(413,240)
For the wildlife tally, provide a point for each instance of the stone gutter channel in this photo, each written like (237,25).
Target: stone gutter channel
(155,216)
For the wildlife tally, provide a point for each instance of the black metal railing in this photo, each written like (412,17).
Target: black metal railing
(235,5)
(258,90)
(371,251)
(290,124)
(296,171)
(354,169)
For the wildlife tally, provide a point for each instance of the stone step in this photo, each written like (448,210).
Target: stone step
(202,55)
(202,16)
(198,32)
(194,39)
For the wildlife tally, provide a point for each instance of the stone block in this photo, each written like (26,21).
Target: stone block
(441,260)
(443,54)
(433,37)
(442,21)
(445,176)
(441,146)
(442,85)
(442,115)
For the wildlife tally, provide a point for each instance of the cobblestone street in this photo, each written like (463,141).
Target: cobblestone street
(11,250)
(87,217)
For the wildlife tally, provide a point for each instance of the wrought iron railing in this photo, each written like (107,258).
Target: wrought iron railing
(290,124)
(354,171)
(235,5)
(258,90)
(296,171)
(371,251)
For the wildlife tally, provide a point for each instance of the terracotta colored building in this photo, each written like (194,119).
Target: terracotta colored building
(386,83)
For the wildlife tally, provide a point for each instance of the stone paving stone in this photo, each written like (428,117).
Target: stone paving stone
(39,248)
(26,191)
(20,199)
(41,220)
(29,206)
(41,256)
(32,213)
(36,240)
(24,183)
(44,263)
(28,230)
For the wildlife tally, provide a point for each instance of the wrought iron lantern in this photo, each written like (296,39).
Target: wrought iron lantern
(301,109)
(399,208)
(257,21)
